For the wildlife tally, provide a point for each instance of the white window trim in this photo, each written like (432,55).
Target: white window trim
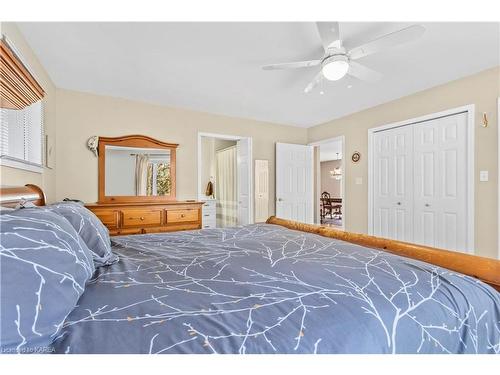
(6,161)
(471,177)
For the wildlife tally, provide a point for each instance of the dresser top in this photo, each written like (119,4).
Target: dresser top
(142,204)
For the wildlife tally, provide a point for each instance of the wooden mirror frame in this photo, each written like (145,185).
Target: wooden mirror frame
(140,141)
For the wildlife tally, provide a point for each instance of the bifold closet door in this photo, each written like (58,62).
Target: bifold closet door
(393,184)
(440,189)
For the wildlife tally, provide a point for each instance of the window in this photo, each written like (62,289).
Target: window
(158,178)
(21,113)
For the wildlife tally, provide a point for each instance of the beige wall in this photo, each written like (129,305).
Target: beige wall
(13,176)
(329,184)
(482,90)
(81,115)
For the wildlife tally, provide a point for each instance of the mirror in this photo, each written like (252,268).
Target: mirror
(136,168)
(137,171)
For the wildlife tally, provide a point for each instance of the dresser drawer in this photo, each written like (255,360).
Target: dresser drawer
(208,215)
(139,217)
(172,228)
(208,221)
(108,217)
(125,232)
(207,205)
(181,216)
(209,224)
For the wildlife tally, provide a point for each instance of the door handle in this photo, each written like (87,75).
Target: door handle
(280,200)
(427,205)
(399,203)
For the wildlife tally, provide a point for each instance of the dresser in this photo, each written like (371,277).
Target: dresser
(136,187)
(209,214)
(147,217)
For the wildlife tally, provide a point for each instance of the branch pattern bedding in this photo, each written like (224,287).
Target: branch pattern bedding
(266,289)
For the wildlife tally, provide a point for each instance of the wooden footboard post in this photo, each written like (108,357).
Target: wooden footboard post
(484,269)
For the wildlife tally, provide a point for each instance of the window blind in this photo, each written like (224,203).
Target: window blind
(19,88)
(22,134)
(21,113)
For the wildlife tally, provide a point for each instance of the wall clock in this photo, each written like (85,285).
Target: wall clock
(355,156)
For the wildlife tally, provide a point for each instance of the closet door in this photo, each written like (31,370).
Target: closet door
(393,184)
(261,190)
(440,164)
(244,167)
(294,182)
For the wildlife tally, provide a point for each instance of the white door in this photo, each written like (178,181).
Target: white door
(440,188)
(261,190)
(420,183)
(392,183)
(244,172)
(294,182)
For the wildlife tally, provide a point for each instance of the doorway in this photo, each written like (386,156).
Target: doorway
(330,182)
(225,180)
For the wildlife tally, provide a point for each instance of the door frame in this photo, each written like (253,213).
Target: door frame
(250,161)
(317,168)
(498,179)
(470,110)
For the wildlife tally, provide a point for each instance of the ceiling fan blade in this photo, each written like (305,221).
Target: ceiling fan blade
(393,39)
(292,65)
(316,80)
(329,33)
(363,73)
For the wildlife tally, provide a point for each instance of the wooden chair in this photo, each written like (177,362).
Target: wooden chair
(326,206)
(337,207)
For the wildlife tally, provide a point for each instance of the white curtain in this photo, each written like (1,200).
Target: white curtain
(141,174)
(226,187)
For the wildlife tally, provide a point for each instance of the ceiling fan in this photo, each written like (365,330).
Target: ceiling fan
(338,62)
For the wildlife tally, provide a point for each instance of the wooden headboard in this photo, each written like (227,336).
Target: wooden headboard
(10,196)
(484,269)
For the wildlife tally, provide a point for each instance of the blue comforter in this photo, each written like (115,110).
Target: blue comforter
(267,289)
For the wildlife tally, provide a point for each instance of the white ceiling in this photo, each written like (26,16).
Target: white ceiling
(215,67)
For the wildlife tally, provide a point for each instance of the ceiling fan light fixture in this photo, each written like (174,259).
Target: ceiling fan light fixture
(335,67)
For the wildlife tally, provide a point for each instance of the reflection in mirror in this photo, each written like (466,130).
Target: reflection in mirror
(133,171)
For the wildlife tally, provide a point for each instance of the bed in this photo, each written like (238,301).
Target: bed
(283,287)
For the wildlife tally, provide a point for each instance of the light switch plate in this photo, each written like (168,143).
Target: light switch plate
(483,176)
(359,181)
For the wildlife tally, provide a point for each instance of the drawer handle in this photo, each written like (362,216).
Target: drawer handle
(206,215)
(182,215)
(135,218)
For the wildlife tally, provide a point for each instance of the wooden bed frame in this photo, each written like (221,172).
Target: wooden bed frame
(484,269)
(10,196)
